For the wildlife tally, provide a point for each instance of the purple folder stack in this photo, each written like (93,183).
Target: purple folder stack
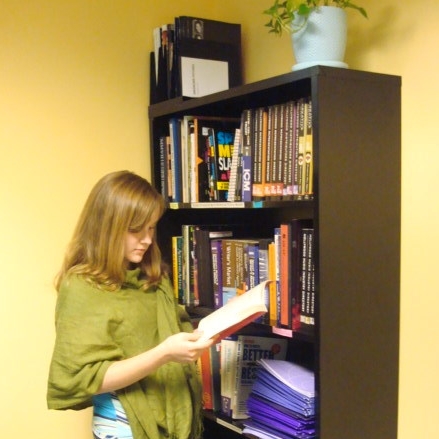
(282,402)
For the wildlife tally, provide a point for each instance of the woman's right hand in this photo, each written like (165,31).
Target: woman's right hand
(185,347)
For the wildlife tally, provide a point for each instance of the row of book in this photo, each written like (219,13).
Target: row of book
(247,377)
(228,371)
(194,57)
(212,266)
(267,153)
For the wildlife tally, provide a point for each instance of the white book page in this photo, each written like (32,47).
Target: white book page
(200,77)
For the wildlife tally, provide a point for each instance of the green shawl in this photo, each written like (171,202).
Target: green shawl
(95,328)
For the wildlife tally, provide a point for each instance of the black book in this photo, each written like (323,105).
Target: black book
(203,257)
(198,44)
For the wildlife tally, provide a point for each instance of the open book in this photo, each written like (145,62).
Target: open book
(235,314)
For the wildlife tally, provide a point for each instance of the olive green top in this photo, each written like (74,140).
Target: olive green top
(95,328)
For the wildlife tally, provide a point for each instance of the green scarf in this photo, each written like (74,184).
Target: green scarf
(96,328)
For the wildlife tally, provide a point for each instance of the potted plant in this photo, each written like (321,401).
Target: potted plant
(318,29)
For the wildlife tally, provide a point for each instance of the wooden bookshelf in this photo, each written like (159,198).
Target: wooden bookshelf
(356,216)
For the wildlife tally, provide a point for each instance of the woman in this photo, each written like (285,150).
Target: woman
(122,343)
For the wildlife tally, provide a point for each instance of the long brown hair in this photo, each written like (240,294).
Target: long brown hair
(119,202)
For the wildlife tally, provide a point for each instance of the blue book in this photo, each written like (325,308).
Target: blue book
(175,135)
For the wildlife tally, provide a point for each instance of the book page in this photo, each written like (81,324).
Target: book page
(235,314)
(200,77)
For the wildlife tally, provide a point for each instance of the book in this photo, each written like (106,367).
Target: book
(234,192)
(272,287)
(286,245)
(252,253)
(297,226)
(206,382)
(217,272)
(208,55)
(169,165)
(277,253)
(263,268)
(250,350)
(205,166)
(221,142)
(177,267)
(300,177)
(163,167)
(275,150)
(260,152)
(235,314)
(307,313)
(188,257)
(159,65)
(228,370)
(194,57)
(247,154)
(204,265)
(175,139)
(308,161)
(215,377)
(290,129)
(186,129)
(268,156)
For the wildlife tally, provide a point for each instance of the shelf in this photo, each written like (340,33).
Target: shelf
(269,204)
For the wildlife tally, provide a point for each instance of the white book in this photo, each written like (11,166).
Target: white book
(235,314)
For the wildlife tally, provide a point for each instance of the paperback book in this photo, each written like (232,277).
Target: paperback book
(235,314)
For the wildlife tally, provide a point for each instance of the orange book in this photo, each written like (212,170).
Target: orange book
(206,381)
(285,275)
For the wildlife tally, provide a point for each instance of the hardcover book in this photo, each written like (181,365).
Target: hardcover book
(208,55)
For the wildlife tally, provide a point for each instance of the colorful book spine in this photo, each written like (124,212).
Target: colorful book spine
(221,146)
(177,267)
(234,192)
(285,275)
(308,189)
(228,372)
(272,309)
(217,272)
(247,154)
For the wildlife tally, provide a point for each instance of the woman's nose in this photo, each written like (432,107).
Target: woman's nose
(146,238)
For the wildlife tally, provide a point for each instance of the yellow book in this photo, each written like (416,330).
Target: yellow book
(272,308)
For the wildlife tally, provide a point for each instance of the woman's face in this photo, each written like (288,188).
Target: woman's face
(138,242)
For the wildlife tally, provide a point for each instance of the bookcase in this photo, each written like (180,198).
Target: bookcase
(354,346)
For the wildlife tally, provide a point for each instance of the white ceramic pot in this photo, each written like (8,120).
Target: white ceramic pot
(321,40)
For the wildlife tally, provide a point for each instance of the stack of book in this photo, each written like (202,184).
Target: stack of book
(194,57)
(282,402)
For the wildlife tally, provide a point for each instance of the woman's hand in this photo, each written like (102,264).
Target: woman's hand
(185,347)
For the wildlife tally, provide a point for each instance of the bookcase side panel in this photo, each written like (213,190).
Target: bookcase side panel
(358,239)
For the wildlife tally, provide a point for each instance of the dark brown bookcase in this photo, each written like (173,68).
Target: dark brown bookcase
(354,347)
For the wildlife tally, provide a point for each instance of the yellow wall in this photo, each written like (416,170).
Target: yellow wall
(73,106)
